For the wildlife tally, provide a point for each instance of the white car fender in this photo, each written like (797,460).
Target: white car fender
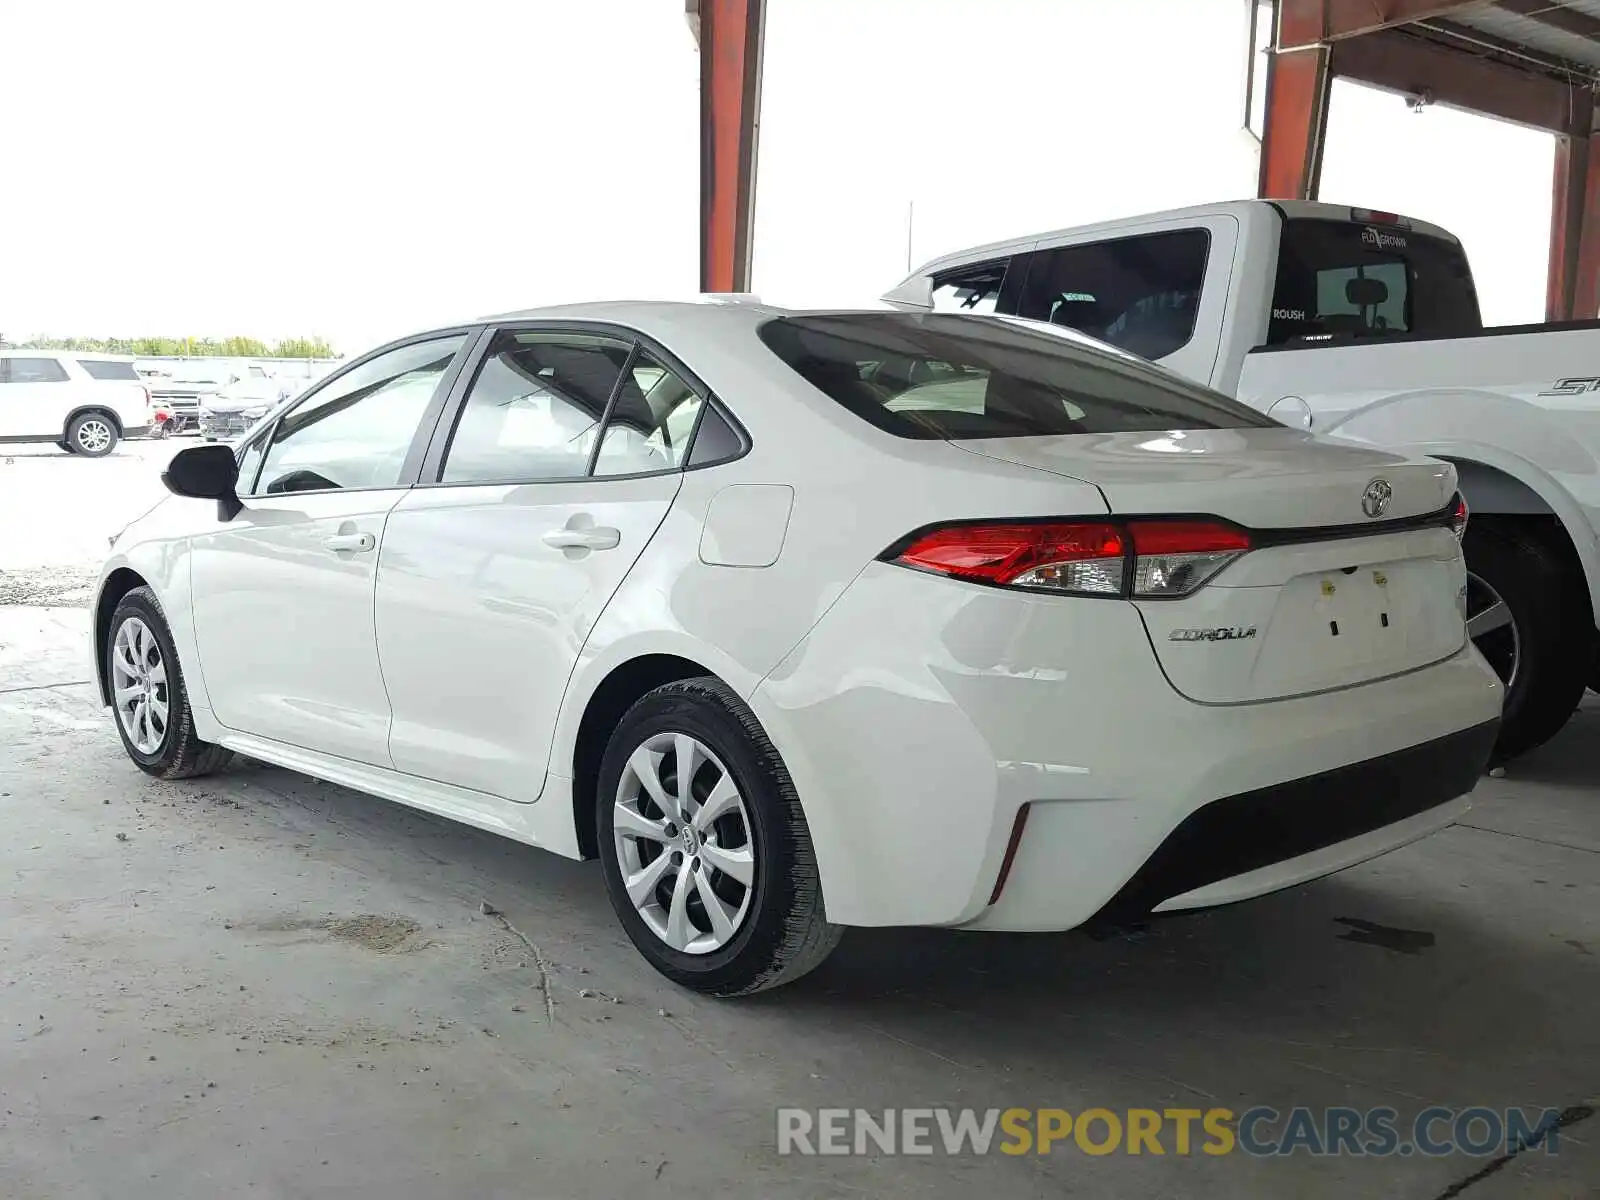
(164,567)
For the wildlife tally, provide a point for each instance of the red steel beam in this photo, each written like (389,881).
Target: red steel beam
(1572,288)
(730,36)
(1401,63)
(1309,22)
(1297,119)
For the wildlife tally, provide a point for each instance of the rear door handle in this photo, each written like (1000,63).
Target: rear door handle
(601,537)
(358,542)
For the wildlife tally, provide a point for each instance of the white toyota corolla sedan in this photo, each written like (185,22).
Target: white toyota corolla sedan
(804,620)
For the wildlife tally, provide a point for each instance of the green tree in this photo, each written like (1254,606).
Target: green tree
(171,347)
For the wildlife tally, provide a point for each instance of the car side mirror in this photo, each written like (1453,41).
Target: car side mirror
(206,473)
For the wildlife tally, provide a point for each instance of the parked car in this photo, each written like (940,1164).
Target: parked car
(1361,325)
(1022,634)
(233,410)
(191,383)
(84,403)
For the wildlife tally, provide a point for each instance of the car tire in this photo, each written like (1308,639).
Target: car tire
(64,445)
(779,928)
(1545,653)
(92,434)
(174,750)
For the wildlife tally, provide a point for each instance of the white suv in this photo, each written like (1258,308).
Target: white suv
(82,402)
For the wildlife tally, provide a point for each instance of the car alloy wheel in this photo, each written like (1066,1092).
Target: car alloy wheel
(1493,629)
(682,837)
(93,435)
(139,686)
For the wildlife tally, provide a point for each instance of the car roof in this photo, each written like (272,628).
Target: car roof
(628,311)
(1296,209)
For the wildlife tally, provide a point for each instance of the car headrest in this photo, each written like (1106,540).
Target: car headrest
(1365,293)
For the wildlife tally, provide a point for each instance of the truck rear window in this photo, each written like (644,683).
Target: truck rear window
(1339,280)
(944,376)
(101,368)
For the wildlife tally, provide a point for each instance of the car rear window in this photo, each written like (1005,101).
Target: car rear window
(932,376)
(1338,280)
(101,368)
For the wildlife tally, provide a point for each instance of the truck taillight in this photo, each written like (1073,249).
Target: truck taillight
(1372,216)
(1146,558)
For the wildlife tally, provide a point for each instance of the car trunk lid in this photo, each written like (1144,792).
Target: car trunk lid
(1354,573)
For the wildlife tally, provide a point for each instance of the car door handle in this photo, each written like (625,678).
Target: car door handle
(601,537)
(357,542)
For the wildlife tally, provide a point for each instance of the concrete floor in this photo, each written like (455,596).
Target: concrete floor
(261,984)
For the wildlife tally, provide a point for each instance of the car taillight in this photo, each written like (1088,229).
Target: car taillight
(1174,558)
(1076,557)
(1142,558)
(1458,517)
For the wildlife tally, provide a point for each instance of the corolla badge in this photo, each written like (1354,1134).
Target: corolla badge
(1375,500)
(1225,633)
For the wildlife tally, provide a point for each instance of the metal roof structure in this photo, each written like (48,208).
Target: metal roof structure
(1533,62)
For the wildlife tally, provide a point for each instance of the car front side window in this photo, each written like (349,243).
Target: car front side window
(355,432)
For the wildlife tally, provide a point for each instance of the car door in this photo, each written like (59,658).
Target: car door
(35,397)
(561,462)
(282,593)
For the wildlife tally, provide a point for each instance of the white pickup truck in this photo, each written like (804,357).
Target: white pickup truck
(1362,325)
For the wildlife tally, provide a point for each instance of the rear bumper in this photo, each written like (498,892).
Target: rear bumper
(1256,842)
(921,715)
(134,431)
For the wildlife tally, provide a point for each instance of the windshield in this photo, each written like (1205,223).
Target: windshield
(940,375)
(1338,279)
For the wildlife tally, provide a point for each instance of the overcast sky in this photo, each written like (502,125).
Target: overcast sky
(356,170)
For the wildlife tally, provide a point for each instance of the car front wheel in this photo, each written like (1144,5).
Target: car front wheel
(706,853)
(92,434)
(148,696)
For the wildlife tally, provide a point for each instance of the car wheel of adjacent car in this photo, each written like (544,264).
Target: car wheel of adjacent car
(706,853)
(1528,614)
(148,695)
(92,434)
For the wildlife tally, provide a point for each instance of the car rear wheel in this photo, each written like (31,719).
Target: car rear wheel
(1528,614)
(705,850)
(148,696)
(92,434)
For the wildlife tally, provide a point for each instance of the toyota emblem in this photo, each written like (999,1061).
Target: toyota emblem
(1375,500)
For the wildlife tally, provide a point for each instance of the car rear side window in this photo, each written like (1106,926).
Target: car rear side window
(33,370)
(935,375)
(1339,279)
(104,368)
(651,423)
(971,289)
(1140,293)
(535,408)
